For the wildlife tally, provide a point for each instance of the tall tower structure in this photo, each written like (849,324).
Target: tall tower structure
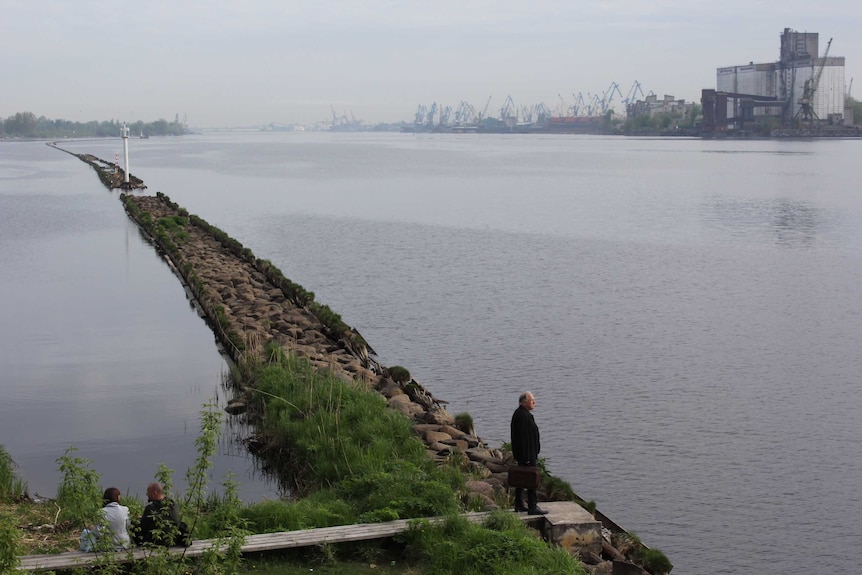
(126,150)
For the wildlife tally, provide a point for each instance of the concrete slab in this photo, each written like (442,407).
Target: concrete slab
(572,527)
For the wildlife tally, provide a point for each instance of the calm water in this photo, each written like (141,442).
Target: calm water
(99,347)
(688,313)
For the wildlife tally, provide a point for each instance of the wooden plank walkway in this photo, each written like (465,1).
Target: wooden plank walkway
(253,543)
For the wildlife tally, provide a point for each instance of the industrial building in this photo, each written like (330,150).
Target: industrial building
(652,106)
(802,88)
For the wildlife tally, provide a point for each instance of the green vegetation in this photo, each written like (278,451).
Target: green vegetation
(10,537)
(500,545)
(332,323)
(464,422)
(27,125)
(856,106)
(399,374)
(12,487)
(321,563)
(664,121)
(343,456)
(79,498)
(336,436)
(652,560)
(78,495)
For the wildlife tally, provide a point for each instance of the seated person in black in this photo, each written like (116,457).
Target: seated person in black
(160,522)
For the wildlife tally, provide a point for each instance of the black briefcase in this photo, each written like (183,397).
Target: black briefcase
(524,477)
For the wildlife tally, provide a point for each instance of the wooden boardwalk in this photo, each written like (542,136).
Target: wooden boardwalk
(253,543)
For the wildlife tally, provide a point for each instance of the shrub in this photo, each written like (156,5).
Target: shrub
(78,495)
(399,374)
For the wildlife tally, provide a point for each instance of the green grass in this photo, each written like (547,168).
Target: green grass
(309,565)
(12,487)
(336,436)
(501,546)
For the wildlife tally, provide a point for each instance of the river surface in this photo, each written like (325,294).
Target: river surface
(688,313)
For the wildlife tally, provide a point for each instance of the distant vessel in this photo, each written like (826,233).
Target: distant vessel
(143,135)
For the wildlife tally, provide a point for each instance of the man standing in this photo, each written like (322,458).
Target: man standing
(525,448)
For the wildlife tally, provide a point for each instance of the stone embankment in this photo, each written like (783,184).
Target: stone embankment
(248,306)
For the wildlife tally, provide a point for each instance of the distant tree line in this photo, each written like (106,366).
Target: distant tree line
(27,125)
(856,106)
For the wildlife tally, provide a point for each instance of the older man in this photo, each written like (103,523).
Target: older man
(160,522)
(525,448)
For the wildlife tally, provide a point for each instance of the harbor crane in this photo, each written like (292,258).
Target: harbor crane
(508,109)
(579,105)
(485,110)
(564,107)
(431,113)
(543,112)
(464,114)
(806,103)
(631,97)
(445,113)
(608,96)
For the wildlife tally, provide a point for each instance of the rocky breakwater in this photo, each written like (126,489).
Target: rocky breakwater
(249,303)
(111,175)
(247,308)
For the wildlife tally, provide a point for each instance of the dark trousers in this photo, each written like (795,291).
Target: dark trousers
(532,496)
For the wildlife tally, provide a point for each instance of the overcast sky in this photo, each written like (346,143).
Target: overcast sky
(222,63)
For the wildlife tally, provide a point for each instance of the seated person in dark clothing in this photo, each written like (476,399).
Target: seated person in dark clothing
(160,522)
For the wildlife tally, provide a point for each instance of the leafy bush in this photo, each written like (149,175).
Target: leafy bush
(78,495)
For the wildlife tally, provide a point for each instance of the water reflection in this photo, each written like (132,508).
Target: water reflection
(98,347)
(783,221)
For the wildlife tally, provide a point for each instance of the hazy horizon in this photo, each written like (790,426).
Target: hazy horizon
(222,64)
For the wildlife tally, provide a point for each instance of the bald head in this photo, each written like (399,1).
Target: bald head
(527,400)
(155,492)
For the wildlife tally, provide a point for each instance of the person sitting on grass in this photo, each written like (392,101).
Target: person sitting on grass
(160,522)
(112,532)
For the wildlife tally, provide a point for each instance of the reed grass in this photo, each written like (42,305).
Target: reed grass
(12,487)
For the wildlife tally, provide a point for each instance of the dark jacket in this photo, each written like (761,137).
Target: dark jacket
(160,525)
(525,437)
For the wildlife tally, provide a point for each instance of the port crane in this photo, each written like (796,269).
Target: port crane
(579,104)
(508,109)
(485,111)
(564,107)
(608,96)
(543,112)
(633,93)
(806,103)
(465,114)
(445,113)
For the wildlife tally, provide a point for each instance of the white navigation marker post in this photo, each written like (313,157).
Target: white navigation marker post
(126,149)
